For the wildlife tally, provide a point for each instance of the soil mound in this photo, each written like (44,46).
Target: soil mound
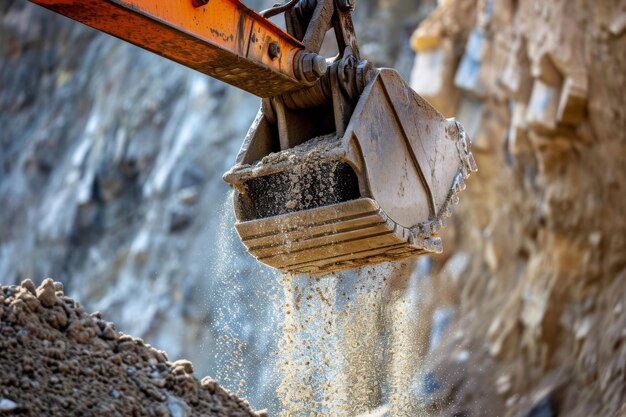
(57,360)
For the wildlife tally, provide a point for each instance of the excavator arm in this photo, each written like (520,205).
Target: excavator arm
(344,165)
(221,38)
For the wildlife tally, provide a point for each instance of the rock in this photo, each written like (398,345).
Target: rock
(28,285)
(503,384)
(191,175)
(56,317)
(7,406)
(177,407)
(46,293)
(209,383)
(108,333)
(182,366)
(188,195)
(159,382)
(29,300)
(179,218)
(159,410)
(535,299)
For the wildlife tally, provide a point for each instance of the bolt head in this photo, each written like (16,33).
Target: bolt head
(273,50)
(319,65)
(313,66)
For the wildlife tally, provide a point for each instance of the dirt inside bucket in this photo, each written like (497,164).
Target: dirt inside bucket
(315,178)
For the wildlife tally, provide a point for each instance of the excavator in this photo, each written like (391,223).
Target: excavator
(344,164)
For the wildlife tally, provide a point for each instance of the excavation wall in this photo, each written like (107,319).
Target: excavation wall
(536,278)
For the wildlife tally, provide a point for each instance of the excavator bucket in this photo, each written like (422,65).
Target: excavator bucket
(378,192)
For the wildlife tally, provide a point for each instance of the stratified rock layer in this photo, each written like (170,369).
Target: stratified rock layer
(57,360)
(537,277)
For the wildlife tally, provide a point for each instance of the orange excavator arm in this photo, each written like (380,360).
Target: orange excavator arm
(344,165)
(221,38)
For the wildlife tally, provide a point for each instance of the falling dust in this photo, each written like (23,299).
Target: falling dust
(348,345)
(243,322)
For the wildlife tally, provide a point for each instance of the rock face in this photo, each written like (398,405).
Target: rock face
(57,360)
(537,277)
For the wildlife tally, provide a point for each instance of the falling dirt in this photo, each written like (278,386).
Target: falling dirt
(305,359)
(57,360)
(347,346)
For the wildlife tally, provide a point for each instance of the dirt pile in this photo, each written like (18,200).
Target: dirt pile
(57,360)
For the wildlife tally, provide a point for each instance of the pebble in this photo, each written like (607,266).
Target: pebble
(108,333)
(30,300)
(158,382)
(177,407)
(28,285)
(209,384)
(7,405)
(159,410)
(183,364)
(46,293)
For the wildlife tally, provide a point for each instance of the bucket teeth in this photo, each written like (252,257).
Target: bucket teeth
(443,222)
(466,167)
(460,184)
